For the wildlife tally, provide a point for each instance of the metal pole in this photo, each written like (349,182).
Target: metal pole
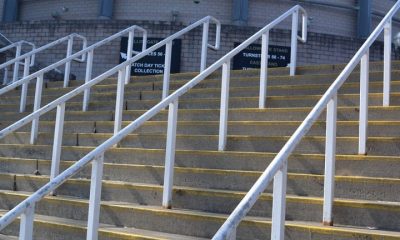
(26,224)
(24,90)
(170,154)
(57,143)
(68,64)
(167,70)
(264,70)
(88,77)
(364,81)
(36,106)
(5,78)
(387,67)
(16,64)
(330,158)
(224,110)
(279,204)
(129,56)
(119,104)
(204,46)
(293,51)
(95,198)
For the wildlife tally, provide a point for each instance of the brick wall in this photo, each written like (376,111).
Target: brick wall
(321,48)
(325,19)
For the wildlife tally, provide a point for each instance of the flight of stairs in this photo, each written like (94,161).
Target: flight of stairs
(208,184)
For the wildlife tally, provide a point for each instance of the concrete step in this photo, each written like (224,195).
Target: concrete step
(387,146)
(375,99)
(57,228)
(253,128)
(346,165)
(375,113)
(298,80)
(368,188)
(301,70)
(134,94)
(194,222)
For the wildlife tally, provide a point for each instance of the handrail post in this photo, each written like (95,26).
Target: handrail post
(387,68)
(279,204)
(330,158)
(57,142)
(293,53)
(119,103)
(68,64)
(95,198)
(264,70)
(129,55)
(204,45)
(26,224)
(24,90)
(5,77)
(170,154)
(364,81)
(16,64)
(167,70)
(36,106)
(88,77)
(224,110)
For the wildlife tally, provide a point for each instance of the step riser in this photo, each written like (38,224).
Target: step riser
(283,129)
(148,95)
(273,81)
(344,146)
(328,69)
(215,104)
(350,114)
(214,160)
(303,185)
(133,218)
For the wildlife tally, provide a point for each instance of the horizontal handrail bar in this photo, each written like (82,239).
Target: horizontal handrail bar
(92,47)
(42,48)
(16,44)
(59,179)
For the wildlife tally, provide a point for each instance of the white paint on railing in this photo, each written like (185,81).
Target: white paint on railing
(387,62)
(170,154)
(364,82)
(95,197)
(330,158)
(263,70)
(26,224)
(36,106)
(280,159)
(78,166)
(279,204)
(223,117)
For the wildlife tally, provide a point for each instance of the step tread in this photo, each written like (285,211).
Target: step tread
(106,228)
(195,214)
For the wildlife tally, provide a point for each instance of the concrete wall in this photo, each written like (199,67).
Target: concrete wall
(320,48)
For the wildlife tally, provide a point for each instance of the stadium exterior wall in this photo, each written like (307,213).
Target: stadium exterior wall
(321,48)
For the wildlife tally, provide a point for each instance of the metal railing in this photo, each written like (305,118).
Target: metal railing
(28,57)
(277,170)
(18,48)
(26,208)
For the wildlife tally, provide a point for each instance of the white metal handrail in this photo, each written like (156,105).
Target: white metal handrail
(277,170)
(28,57)
(18,48)
(26,208)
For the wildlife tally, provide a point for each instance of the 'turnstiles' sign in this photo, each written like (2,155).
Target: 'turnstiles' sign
(278,56)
